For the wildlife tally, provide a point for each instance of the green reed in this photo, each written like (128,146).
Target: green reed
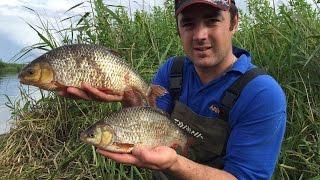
(285,41)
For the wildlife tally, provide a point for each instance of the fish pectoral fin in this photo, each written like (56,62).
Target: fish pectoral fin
(53,85)
(114,52)
(177,147)
(185,149)
(174,146)
(124,147)
(58,85)
(108,91)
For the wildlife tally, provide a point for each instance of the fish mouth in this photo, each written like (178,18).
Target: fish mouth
(21,77)
(23,81)
(83,136)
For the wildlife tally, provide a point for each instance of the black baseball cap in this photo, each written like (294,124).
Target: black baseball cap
(221,4)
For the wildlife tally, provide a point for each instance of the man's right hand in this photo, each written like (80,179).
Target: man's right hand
(87,92)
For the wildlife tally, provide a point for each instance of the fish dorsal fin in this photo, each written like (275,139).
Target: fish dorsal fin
(158,110)
(114,52)
(162,112)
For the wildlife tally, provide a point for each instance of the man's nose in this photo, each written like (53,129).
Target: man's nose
(200,32)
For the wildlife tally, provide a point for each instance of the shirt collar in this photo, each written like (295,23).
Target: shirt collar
(243,60)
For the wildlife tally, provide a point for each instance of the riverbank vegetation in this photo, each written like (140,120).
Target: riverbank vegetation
(285,41)
(9,67)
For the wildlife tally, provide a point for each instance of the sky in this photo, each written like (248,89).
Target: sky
(15,34)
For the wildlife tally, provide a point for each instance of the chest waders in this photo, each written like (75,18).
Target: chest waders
(211,134)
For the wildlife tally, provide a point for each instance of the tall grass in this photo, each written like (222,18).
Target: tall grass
(285,41)
(287,44)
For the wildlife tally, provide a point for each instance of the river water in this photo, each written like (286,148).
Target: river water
(10,88)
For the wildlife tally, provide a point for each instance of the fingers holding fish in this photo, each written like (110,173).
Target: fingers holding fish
(128,97)
(120,157)
(157,158)
(74,93)
(89,93)
(105,95)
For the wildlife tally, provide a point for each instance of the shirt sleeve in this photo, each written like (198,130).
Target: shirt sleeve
(162,78)
(257,129)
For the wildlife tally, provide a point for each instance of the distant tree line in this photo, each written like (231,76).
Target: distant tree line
(9,67)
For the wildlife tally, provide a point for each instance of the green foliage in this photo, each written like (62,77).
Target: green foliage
(9,67)
(2,64)
(285,41)
(45,143)
(145,40)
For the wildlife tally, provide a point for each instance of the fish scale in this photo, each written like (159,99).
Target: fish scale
(92,68)
(135,126)
(72,65)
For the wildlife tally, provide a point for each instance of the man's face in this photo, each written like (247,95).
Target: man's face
(205,34)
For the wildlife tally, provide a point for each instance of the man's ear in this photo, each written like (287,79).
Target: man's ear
(177,24)
(177,27)
(234,24)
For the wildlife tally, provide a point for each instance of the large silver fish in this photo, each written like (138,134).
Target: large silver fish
(72,65)
(122,130)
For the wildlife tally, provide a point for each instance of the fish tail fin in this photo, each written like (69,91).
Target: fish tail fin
(154,92)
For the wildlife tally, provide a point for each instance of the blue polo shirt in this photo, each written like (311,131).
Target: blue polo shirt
(257,119)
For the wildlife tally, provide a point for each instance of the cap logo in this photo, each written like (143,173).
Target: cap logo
(223,3)
(214,108)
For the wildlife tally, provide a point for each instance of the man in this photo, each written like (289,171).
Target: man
(239,114)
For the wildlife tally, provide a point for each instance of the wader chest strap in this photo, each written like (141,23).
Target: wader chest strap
(176,77)
(231,95)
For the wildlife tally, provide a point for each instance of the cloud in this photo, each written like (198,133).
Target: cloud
(9,3)
(10,48)
(14,30)
(18,34)
(13,15)
(15,33)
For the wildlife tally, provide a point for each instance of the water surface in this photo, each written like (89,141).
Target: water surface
(10,88)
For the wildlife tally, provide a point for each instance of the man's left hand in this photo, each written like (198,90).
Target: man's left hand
(158,158)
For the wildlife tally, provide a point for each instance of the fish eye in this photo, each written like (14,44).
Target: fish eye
(30,72)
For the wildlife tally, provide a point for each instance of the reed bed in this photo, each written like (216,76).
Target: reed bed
(44,143)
